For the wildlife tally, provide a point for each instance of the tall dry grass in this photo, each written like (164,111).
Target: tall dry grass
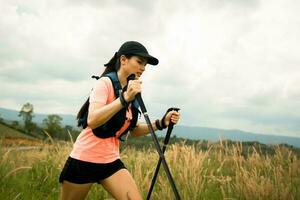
(221,172)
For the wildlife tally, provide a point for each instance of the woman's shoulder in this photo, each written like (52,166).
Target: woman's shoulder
(103,81)
(103,89)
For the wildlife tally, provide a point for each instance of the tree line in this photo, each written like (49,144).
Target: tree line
(51,125)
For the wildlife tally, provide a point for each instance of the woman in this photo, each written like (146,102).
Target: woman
(95,156)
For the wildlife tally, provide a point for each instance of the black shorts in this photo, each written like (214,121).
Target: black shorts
(80,172)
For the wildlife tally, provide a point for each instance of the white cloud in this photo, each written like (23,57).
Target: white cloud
(227,64)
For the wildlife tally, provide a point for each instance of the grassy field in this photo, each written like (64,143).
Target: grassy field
(11,137)
(221,172)
(6,131)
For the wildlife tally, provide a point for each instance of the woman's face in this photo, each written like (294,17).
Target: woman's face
(134,65)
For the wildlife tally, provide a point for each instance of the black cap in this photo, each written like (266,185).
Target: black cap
(133,48)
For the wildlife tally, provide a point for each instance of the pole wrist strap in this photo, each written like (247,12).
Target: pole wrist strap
(123,101)
(157,124)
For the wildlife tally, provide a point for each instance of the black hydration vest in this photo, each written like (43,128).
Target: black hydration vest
(114,124)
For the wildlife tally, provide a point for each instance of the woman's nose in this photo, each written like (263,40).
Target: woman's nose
(142,67)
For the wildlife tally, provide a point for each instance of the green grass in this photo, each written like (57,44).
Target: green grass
(6,131)
(218,173)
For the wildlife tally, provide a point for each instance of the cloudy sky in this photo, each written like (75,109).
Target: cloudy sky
(226,63)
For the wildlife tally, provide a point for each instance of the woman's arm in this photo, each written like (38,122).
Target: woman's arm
(142,129)
(100,114)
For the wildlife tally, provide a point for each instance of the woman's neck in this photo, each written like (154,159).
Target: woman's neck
(122,78)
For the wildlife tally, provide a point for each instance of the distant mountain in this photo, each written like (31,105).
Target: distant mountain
(196,133)
(214,134)
(12,115)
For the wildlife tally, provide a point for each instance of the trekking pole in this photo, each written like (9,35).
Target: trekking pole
(157,146)
(166,141)
(155,140)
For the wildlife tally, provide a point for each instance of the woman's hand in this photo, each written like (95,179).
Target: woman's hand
(134,87)
(172,116)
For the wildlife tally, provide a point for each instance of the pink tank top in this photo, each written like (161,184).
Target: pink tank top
(89,147)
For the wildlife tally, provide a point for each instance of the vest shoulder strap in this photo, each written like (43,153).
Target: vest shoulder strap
(117,86)
(115,82)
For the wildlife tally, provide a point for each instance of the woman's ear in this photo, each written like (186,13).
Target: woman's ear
(123,59)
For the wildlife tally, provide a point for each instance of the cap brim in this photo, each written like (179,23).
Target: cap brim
(150,59)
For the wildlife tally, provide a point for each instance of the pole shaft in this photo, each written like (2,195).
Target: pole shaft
(166,141)
(162,157)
